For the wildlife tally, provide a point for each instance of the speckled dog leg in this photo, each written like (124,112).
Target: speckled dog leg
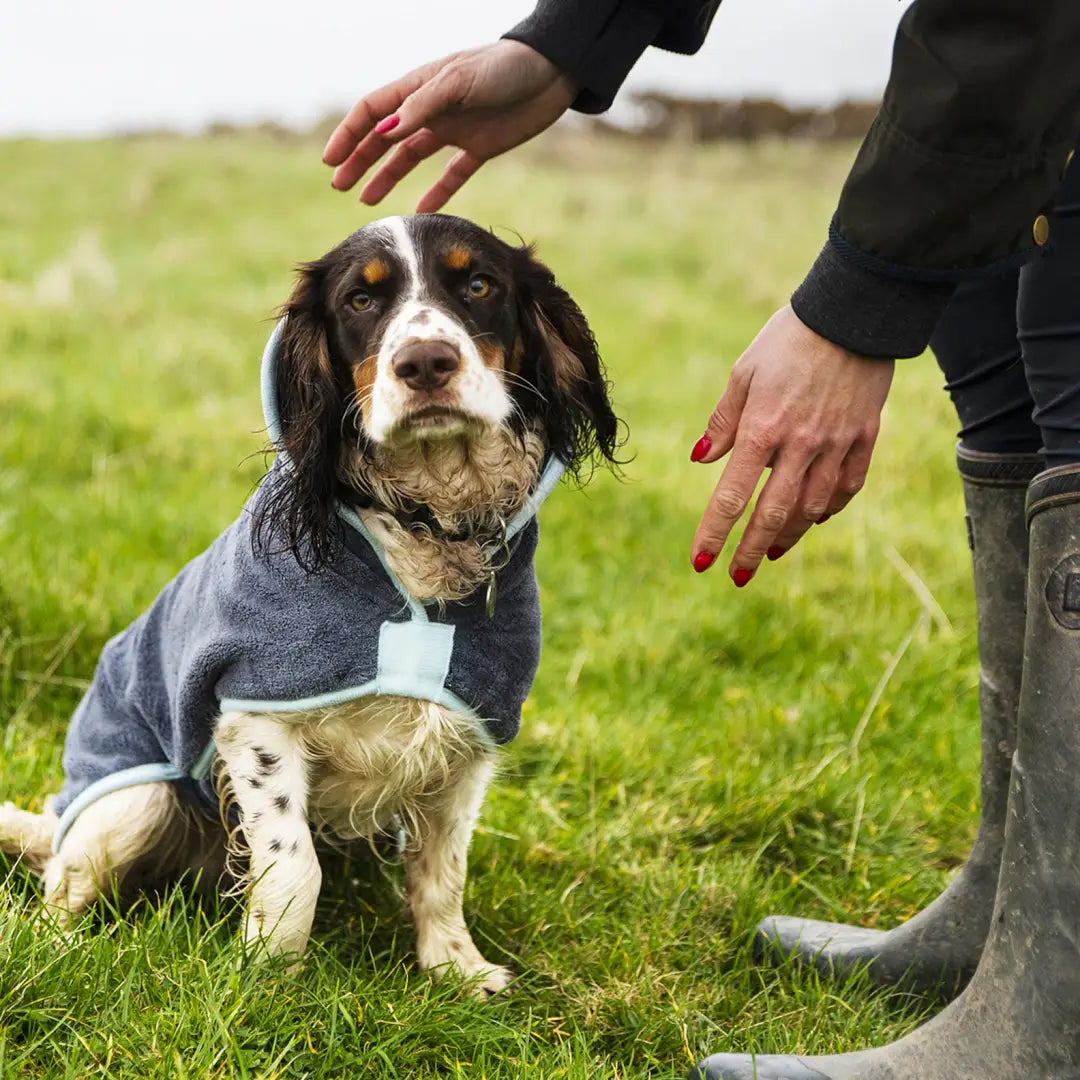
(270,785)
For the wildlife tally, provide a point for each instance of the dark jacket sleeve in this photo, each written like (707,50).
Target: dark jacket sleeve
(981,108)
(956,172)
(597,42)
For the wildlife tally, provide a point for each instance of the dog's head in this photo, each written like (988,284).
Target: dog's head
(416,331)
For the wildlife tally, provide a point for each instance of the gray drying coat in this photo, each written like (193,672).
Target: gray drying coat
(239,631)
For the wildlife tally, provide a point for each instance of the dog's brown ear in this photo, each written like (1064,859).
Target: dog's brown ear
(561,359)
(300,511)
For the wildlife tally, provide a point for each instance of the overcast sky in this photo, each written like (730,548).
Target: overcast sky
(99,65)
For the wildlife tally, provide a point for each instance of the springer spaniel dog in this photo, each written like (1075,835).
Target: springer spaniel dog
(347,655)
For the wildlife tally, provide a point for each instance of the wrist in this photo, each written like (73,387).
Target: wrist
(868,313)
(569,87)
(540,69)
(596,43)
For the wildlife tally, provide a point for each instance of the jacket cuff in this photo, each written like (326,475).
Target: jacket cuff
(869,313)
(596,44)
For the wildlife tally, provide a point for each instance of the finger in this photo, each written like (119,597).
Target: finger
(815,498)
(749,459)
(367,112)
(852,473)
(371,148)
(842,482)
(778,498)
(401,162)
(723,423)
(793,529)
(460,167)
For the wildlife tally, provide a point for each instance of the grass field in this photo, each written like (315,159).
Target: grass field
(693,757)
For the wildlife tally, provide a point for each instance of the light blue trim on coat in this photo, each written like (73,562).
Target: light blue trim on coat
(201,769)
(551,475)
(351,517)
(137,774)
(338,697)
(268,384)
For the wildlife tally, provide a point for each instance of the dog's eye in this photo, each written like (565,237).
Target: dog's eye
(479,287)
(360,300)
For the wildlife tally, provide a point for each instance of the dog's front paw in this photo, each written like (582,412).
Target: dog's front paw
(279,940)
(494,981)
(461,957)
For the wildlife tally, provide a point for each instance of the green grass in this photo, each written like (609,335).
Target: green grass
(693,757)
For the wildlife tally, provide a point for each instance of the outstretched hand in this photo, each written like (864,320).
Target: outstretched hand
(808,410)
(484,101)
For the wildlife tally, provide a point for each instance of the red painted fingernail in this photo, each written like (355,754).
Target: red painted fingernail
(824,517)
(387,124)
(741,577)
(774,553)
(701,448)
(703,560)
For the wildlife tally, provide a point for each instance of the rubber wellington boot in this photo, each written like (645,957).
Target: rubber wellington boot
(941,945)
(1019,1017)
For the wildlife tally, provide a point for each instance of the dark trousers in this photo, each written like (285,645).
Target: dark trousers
(1010,348)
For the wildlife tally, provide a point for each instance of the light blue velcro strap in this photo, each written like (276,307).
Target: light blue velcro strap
(137,774)
(414,658)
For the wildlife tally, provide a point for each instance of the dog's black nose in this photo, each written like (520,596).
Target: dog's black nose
(426,365)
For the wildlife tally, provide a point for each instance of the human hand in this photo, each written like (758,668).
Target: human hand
(484,101)
(809,410)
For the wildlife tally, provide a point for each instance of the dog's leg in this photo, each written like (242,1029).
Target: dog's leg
(435,876)
(25,835)
(106,840)
(270,785)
